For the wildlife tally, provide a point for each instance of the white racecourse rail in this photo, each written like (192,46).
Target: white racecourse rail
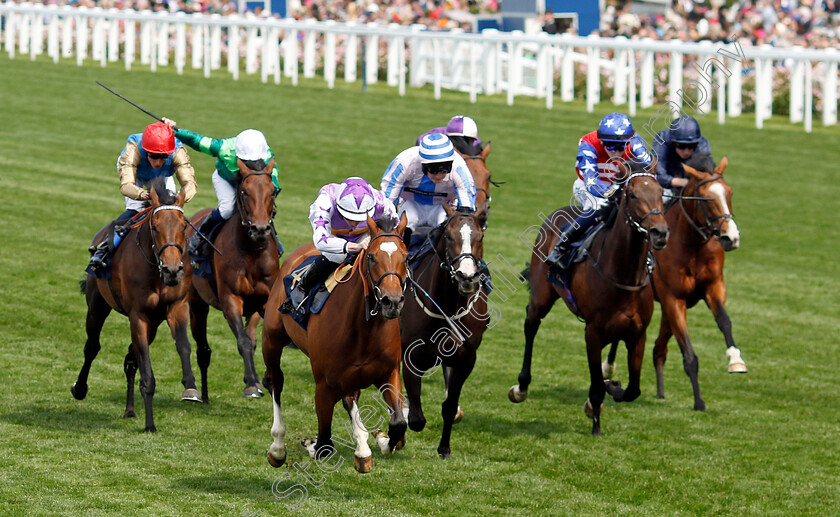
(491,62)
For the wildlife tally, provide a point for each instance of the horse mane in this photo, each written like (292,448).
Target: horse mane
(166,197)
(702,162)
(387,223)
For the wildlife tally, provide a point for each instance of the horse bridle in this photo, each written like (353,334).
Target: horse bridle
(709,226)
(155,250)
(243,216)
(448,263)
(637,225)
(377,293)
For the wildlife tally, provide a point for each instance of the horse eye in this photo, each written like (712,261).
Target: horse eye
(631,195)
(371,258)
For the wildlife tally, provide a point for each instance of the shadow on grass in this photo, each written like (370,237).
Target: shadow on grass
(255,487)
(72,420)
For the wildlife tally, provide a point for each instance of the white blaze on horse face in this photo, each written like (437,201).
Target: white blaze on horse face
(278,432)
(732,228)
(360,432)
(389,248)
(466,267)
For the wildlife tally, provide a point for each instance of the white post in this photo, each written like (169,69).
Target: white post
(145,40)
(418,49)
(675,79)
(567,72)
(67,31)
(437,66)
(197,46)
(290,60)
(735,84)
(266,61)
(797,90)
(403,70)
(309,40)
(11,21)
(490,60)
(372,56)
(163,44)
(130,42)
(809,97)
(759,93)
(54,37)
(216,43)
(99,50)
(180,43)
(329,55)
(393,56)
(548,70)
(153,37)
(647,78)
(620,74)
(233,51)
(114,38)
(251,50)
(631,79)
(37,44)
(593,75)
(25,22)
(721,94)
(275,54)
(708,89)
(81,36)
(351,46)
(473,73)
(829,114)
(208,65)
(514,66)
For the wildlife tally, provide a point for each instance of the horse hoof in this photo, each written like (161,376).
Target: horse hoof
(79,391)
(444,453)
(608,370)
(515,395)
(252,392)
(150,429)
(382,440)
(400,444)
(309,445)
(736,364)
(458,416)
(587,408)
(700,406)
(738,368)
(363,465)
(129,414)
(191,395)
(274,462)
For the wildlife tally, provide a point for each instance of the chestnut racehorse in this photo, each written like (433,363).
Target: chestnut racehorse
(149,283)
(446,293)
(690,269)
(352,343)
(243,274)
(482,178)
(611,288)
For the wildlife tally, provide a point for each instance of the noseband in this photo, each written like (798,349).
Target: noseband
(155,250)
(637,225)
(245,219)
(709,229)
(377,293)
(447,263)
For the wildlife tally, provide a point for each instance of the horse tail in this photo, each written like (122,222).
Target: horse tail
(526,274)
(83,284)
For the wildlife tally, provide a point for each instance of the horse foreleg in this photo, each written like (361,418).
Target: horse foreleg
(130,369)
(541,301)
(98,311)
(715,299)
(251,328)
(177,318)
(676,310)
(362,456)
(597,389)
(608,366)
(232,307)
(142,334)
(198,325)
(447,372)
(449,408)
(325,399)
(274,339)
(660,352)
(635,355)
(391,393)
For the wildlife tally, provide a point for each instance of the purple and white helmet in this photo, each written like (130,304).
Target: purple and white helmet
(462,125)
(355,199)
(435,147)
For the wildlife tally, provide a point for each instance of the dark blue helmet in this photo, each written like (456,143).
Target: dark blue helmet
(615,128)
(685,130)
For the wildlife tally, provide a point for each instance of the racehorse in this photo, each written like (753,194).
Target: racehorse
(690,269)
(352,343)
(242,274)
(482,178)
(149,283)
(611,287)
(447,329)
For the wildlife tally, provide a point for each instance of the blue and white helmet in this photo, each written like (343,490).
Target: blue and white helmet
(355,199)
(435,148)
(615,128)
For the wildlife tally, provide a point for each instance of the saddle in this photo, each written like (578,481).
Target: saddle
(318,295)
(577,253)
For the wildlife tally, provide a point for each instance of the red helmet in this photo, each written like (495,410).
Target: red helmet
(158,138)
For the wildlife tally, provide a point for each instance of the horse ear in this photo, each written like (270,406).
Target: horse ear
(372,228)
(693,172)
(486,151)
(724,162)
(154,197)
(179,200)
(481,213)
(241,165)
(401,226)
(448,209)
(270,166)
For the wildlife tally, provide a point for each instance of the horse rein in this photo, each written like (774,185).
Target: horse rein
(637,225)
(155,250)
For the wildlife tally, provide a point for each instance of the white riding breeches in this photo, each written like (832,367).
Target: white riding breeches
(138,204)
(226,194)
(422,218)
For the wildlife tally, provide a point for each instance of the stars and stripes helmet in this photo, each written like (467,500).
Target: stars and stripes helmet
(355,199)
(435,148)
(615,128)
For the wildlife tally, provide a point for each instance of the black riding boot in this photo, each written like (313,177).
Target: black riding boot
(198,245)
(97,261)
(317,272)
(569,234)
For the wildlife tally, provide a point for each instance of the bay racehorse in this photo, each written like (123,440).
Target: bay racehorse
(149,282)
(690,269)
(445,317)
(352,343)
(611,287)
(242,274)
(482,178)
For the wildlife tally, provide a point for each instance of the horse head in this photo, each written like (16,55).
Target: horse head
(482,178)
(714,213)
(386,264)
(255,200)
(168,225)
(463,240)
(641,203)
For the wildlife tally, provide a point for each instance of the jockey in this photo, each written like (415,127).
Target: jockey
(249,146)
(425,177)
(153,153)
(463,132)
(673,147)
(597,170)
(339,224)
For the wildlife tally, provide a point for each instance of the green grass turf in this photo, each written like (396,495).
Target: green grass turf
(766,445)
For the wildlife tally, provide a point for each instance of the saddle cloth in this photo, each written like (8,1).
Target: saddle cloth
(318,295)
(577,253)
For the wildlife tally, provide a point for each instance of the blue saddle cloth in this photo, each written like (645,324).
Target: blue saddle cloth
(203,264)
(577,253)
(316,297)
